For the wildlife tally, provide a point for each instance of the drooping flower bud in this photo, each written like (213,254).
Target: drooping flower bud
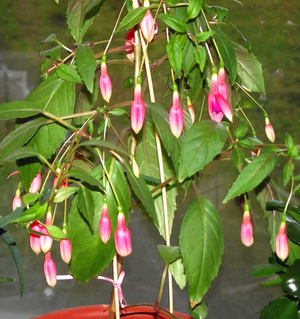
(217,104)
(36,184)
(176,115)
(246,229)
(17,201)
(122,237)
(129,51)
(137,110)
(34,239)
(191,109)
(46,240)
(50,270)
(104,224)
(269,130)
(104,81)
(282,245)
(222,87)
(64,183)
(148,25)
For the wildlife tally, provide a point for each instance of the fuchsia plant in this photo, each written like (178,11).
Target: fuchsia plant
(81,156)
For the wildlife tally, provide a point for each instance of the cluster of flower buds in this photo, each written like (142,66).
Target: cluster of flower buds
(246,228)
(176,114)
(218,105)
(104,81)
(148,25)
(137,110)
(282,245)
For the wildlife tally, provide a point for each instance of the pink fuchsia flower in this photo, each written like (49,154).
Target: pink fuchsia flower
(176,115)
(217,104)
(34,239)
(65,248)
(17,201)
(105,82)
(246,229)
(191,109)
(282,245)
(35,184)
(50,270)
(148,25)
(129,51)
(137,110)
(46,240)
(122,237)
(222,87)
(269,130)
(104,224)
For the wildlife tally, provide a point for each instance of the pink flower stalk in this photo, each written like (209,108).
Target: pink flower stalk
(35,184)
(222,87)
(282,245)
(246,229)
(191,109)
(46,240)
(50,270)
(129,51)
(122,237)
(65,248)
(217,104)
(104,81)
(17,201)
(269,130)
(34,239)
(176,116)
(137,109)
(104,224)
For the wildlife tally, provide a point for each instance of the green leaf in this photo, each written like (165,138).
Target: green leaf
(272,282)
(131,19)
(241,130)
(266,270)
(201,244)
(290,281)
(146,158)
(86,204)
(85,177)
(169,254)
(254,173)
(105,144)
(249,70)
(35,212)
(202,143)
(195,81)
(175,56)
(173,22)
(247,143)
(55,232)
(194,9)
(30,198)
(68,73)
(92,7)
(238,158)
(281,308)
(64,193)
(287,173)
(188,60)
(203,36)
(53,52)
(200,311)
(200,56)
(17,138)
(23,152)
(12,215)
(6,279)
(50,38)
(17,109)
(178,273)
(16,253)
(227,52)
(77,20)
(172,144)
(85,62)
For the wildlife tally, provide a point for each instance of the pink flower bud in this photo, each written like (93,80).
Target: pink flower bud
(64,183)
(104,224)
(34,239)
(217,104)
(105,82)
(191,110)
(148,26)
(50,270)
(269,130)
(35,184)
(282,245)
(137,110)
(65,248)
(129,51)
(246,229)
(17,201)
(122,237)
(46,240)
(176,116)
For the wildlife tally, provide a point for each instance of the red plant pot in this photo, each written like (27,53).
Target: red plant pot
(101,312)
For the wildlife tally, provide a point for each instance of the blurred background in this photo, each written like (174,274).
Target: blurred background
(273,28)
